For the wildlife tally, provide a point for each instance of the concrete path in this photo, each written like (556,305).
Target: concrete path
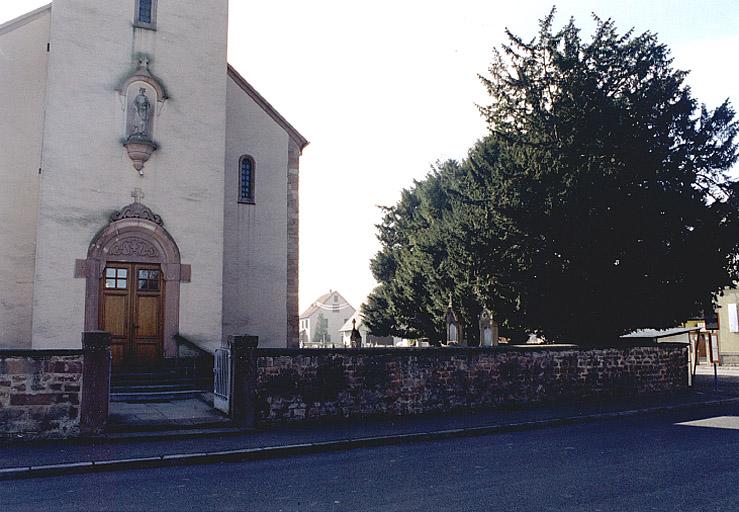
(29,459)
(128,416)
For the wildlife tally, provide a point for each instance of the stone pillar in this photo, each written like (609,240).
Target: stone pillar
(244,380)
(453,331)
(95,382)
(293,256)
(489,332)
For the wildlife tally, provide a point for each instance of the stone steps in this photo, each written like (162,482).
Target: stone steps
(189,425)
(151,385)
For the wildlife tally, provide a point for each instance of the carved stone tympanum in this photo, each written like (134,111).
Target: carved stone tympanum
(130,247)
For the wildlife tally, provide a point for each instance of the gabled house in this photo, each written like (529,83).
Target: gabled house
(321,323)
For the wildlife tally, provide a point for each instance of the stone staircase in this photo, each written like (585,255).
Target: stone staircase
(172,400)
(165,383)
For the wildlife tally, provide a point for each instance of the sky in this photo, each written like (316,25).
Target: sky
(384,89)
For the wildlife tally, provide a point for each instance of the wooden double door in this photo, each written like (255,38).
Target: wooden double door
(132,312)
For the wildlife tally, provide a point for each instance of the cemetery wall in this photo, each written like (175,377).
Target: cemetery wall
(314,384)
(40,393)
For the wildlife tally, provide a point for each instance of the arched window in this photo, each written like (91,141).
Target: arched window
(246,179)
(146,14)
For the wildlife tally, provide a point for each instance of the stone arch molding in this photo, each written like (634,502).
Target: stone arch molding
(144,75)
(131,238)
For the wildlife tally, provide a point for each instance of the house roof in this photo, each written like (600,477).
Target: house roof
(315,307)
(23,19)
(301,141)
(322,303)
(347,327)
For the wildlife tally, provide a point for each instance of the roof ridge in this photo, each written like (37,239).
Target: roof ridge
(267,107)
(21,20)
(321,301)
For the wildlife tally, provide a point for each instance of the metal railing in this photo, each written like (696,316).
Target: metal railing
(222,379)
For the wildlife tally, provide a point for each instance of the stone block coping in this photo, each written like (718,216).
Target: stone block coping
(38,354)
(456,351)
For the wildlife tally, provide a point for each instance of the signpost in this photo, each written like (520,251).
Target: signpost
(715,357)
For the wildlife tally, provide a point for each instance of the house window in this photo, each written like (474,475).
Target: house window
(146,14)
(246,180)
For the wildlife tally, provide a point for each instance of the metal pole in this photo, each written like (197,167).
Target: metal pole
(713,360)
(715,376)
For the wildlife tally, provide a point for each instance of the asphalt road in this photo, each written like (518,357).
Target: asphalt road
(633,464)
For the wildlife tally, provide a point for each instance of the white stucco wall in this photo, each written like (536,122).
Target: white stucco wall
(87,173)
(255,246)
(23,68)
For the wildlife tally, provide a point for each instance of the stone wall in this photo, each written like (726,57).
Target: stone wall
(729,359)
(293,245)
(40,393)
(303,385)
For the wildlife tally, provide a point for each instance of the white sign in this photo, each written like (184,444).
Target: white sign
(733,318)
(714,349)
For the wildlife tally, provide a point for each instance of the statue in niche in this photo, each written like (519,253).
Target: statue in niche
(142,112)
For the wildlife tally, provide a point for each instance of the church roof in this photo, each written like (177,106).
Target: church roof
(23,19)
(267,107)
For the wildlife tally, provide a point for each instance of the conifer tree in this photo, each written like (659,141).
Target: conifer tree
(600,201)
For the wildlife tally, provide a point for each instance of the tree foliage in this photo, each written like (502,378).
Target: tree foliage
(599,202)
(320,333)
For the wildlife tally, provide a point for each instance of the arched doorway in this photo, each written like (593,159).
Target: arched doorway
(133,273)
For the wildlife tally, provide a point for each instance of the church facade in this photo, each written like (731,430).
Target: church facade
(146,188)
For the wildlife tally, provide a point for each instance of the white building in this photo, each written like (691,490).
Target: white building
(368,339)
(145,187)
(321,323)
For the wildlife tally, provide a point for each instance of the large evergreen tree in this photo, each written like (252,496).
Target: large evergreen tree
(600,201)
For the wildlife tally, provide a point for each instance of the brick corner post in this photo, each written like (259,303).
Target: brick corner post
(244,380)
(96,353)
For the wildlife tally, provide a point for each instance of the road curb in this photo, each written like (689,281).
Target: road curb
(280,451)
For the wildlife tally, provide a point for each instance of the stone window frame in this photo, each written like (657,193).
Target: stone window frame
(252,180)
(142,24)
